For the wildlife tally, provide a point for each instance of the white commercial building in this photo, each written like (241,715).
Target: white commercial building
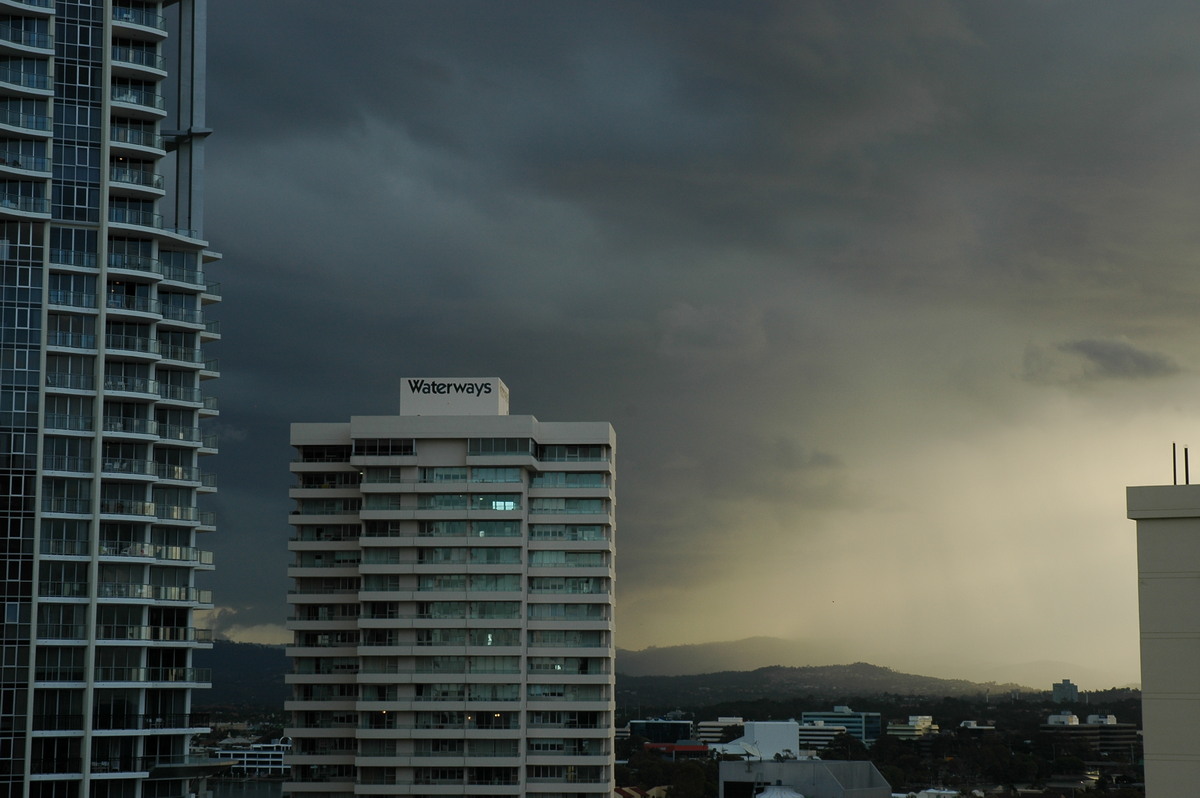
(102,333)
(452,601)
(1168,547)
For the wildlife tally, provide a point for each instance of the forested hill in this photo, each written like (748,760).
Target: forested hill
(776,682)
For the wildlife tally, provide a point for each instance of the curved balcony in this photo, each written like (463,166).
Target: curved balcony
(149,221)
(136,182)
(64,422)
(125,425)
(71,299)
(178,433)
(127,467)
(73,257)
(187,355)
(63,463)
(136,102)
(139,674)
(22,82)
(70,340)
(160,634)
(20,206)
(126,507)
(26,6)
(178,393)
(129,590)
(178,473)
(37,124)
(132,304)
(134,263)
(124,139)
(23,164)
(55,504)
(132,20)
(17,40)
(183,274)
(135,344)
(143,387)
(138,62)
(183,315)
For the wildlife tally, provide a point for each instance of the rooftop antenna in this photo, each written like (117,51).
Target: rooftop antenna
(1174,465)
(1186,479)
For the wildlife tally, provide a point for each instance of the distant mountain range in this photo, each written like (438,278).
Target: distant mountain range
(250,676)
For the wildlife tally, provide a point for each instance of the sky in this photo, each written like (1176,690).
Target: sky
(887,302)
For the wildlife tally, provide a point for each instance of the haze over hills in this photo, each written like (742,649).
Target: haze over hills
(753,653)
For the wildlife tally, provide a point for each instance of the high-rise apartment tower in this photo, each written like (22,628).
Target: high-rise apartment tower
(452,609)
(102,327)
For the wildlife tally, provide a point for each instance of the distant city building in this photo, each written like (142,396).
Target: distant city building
(1168,560)
(764,740)
(661,730)
(973,726)
(257,760)
(1102,734)
(713,731)
(918,726)
(866,726)
(452,601)
(1064,692)
(817,735)
(811,778)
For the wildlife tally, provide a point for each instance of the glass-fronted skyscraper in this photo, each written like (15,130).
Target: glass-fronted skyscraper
(102,334)
(452,607)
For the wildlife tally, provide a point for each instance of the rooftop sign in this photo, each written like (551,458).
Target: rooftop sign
(453,396)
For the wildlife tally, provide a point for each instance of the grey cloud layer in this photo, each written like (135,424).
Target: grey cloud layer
(787,248)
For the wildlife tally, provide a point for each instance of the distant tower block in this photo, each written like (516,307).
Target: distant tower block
(1065,693)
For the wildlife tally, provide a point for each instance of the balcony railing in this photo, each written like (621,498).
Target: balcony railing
(132,55)
(126,507)
(18,160)
(128,590)
(54,504)
(136,177)
(19,202)
(138,426)
(178,472)
(188,354)
(27,121)
(179,393)
(71,340)
(135,16)
(133,135)
(170,634)
(188,315)
(177,512)
(125,674)
(138,263)
(125,465)
(28,38)
(28,80)
(139,304)
(114,721)
(68,422)
(118,382)
(136,216)
(132,343)
(73,257)
(71,299)
(65,463)
(183,274)
(142,97)
(177,432)
(158,552)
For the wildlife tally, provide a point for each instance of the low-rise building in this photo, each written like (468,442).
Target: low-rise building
(866,726)
(713,731)
(811,778)
(263,760)
(918,726)
(816,736)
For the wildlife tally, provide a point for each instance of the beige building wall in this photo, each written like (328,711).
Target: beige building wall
(1168,545)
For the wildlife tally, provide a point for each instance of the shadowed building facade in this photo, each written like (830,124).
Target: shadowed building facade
(452,601)
(102,328)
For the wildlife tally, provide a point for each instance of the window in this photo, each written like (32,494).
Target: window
(495,475)
(495,501)
(570,479)
(499,446)
(563,453)
(384,447)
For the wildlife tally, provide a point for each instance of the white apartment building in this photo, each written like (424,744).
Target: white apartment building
(1168,547)
(103,295)
(453,601)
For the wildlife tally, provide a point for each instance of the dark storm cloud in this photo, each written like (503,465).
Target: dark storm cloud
(791,250)
(1120,360)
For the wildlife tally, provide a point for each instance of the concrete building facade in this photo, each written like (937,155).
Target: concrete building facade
(452,602)
(1168,550)
(103,327)
(866,726)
